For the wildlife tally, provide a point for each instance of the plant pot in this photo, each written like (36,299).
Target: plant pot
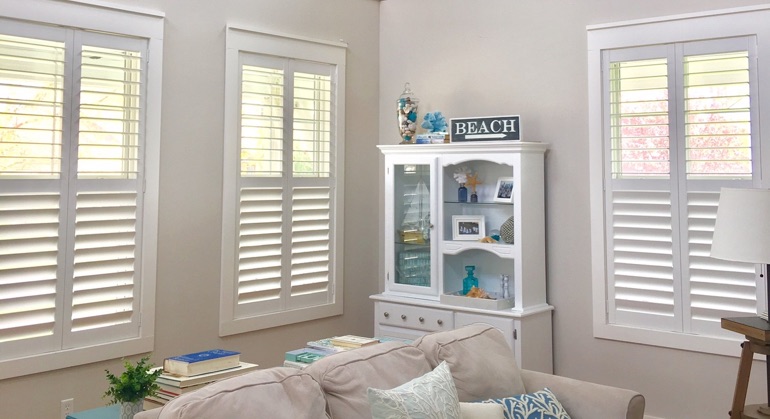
(129,409)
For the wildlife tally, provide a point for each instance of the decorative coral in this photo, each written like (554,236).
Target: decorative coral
(434,122)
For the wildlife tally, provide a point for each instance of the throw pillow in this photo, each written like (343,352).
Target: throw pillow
(538,405)
(481,410)
(431,396)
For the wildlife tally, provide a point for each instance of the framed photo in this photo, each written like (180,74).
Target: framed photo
(504,190)
(467,227)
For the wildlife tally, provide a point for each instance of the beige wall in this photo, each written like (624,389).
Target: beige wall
(529,57)
(191,190)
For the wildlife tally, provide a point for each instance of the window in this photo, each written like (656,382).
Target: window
(282,210)
(674,117)
(77,231)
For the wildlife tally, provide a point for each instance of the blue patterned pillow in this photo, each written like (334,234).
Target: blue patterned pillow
(538,405)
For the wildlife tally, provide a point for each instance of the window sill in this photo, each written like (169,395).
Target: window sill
(73,357)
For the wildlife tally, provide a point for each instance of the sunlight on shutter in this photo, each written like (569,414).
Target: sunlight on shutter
(639,119)
(108,140)
(259,245)
(718,117)
(718,288)
(312,125)
(310,241)
(105,246)
(262,91)
(642,259)
(31,106)
(29,230)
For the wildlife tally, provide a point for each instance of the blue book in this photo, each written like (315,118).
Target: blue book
(307,355)
(201,362)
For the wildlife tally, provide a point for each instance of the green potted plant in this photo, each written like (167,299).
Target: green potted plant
(131,387)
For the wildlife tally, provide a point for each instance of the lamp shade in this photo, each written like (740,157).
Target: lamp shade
(742,230)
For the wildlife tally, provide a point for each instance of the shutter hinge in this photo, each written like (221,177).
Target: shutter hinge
(515,334)
(387,276)
(607,307)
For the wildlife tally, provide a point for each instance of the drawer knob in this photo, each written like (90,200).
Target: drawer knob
(422,319)
(386,314)
(440,322)
(403,317)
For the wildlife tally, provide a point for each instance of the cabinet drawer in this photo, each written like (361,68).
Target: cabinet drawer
(413,317)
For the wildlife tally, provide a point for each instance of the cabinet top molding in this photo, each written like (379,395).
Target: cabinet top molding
(487,146)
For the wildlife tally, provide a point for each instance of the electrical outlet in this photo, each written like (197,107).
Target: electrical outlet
(67,407)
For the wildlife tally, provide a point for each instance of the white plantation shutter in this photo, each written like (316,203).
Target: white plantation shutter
(678,129)
(282,219)
(71,180)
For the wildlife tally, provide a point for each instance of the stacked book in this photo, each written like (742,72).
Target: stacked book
(185,373)
(315,350)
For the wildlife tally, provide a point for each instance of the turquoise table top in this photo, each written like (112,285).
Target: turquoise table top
(107,412)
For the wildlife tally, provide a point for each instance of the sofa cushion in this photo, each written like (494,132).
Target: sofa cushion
(470,410)
(432,395)
(277,393)
(482,364)
(345,376)
(538,405)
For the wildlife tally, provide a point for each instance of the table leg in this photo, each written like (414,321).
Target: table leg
(742,382)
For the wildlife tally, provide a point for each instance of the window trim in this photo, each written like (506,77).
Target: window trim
(735,22)
(243,39)
(100,16)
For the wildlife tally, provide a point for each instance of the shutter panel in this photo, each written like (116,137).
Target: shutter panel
(29,231)
(108,140)
(262,121)
(311,125)
(718,288)
(310,246)
(642,265)
(31,107)
(259,250)
(717,116)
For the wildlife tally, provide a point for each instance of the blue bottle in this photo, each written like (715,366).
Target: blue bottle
(469,281)
(462,193)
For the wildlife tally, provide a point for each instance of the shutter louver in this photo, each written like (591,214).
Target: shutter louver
(310,243)
(105,246)
(642,262)
(31,107)
(29,230)
(260,243)
(108,140)
(718,288)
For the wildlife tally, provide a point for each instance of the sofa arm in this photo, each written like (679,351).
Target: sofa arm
(584,400)
(148,414)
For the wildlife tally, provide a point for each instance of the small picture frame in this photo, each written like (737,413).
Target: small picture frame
(467,227)
(504,190)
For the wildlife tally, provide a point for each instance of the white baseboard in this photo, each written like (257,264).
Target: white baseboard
(651,417)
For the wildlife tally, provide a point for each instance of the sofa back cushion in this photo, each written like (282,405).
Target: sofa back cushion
(276,393)
(482,364)
(346,376)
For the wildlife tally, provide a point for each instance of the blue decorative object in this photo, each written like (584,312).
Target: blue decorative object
(538,405)
(469,281)
(462,193)
(434,122)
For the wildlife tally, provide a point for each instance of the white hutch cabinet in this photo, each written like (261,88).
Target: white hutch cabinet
(426,257)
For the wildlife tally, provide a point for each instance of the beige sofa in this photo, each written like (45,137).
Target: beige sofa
(481,363)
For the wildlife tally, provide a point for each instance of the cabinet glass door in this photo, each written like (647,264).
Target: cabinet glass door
(412,225)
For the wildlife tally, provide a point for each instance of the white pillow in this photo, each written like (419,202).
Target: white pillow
(470,410)
(432,395)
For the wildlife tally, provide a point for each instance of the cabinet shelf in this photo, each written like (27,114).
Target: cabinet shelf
(451,247)
(494,204)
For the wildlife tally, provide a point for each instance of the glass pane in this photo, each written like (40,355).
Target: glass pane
(639,119)
(412,224)
(31,106)
(717,116)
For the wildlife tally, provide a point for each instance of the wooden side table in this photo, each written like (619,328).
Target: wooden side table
(757,332)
